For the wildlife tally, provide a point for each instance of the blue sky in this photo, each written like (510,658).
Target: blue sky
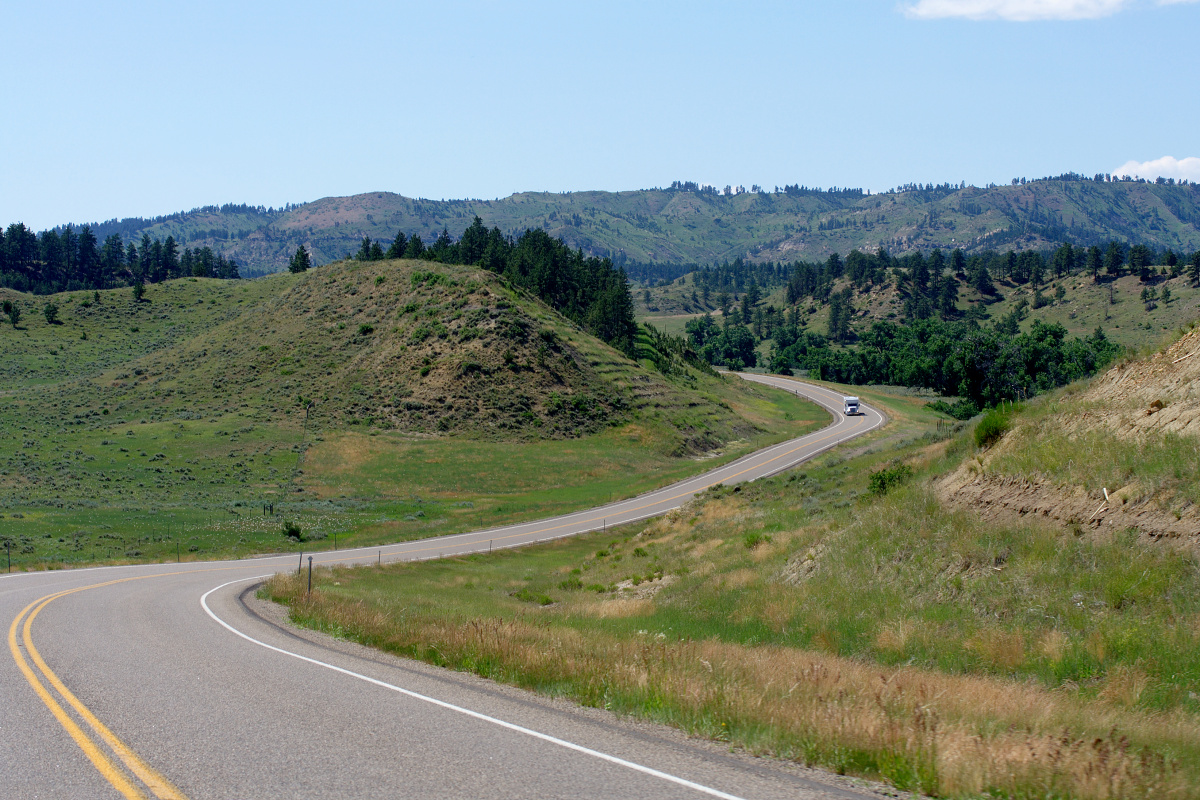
(137,109)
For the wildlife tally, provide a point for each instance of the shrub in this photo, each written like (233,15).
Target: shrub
(989,429)
(959,409)
(884,480)
(365,328)
(51,312)
(753,540)
(292,531)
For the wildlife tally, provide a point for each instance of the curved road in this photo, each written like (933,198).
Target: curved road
(173,681)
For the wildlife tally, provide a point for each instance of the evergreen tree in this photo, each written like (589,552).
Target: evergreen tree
(958,262)
(170,258)
(399,244)
(1094,262)
(12,311)
(1114,258)
(300,260)
(364,250)
(415,247)
(89,259)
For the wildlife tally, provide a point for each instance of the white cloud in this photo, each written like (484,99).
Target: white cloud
(1166,167)
(1023,10)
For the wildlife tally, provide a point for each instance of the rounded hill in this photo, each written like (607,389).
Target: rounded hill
(429,349)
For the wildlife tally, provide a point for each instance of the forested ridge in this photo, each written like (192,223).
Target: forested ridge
(68,260)
(688,223)
(934,343)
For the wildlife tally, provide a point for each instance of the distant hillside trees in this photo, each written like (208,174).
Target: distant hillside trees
(57,261)
(963,359)
(585,289)
(934,344)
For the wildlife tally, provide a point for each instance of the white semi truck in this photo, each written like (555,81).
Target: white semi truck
(851,404)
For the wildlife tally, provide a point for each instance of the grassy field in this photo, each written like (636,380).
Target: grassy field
(838,619)
(174,429)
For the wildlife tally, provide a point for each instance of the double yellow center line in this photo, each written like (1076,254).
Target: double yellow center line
(102,745)
(135,769)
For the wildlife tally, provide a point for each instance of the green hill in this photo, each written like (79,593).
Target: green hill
(678,225)
(376,401)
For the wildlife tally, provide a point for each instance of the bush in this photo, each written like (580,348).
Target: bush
(959,409)
(365,328)
(292,531)
(884,480)
(989,429)
(753,540)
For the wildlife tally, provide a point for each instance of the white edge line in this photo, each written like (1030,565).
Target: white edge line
(459,709)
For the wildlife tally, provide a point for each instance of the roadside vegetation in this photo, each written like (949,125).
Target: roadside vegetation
(841,615)
(362,402)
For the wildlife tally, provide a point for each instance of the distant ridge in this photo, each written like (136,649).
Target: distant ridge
(688,223)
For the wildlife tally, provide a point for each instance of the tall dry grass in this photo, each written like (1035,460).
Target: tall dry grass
(940,734)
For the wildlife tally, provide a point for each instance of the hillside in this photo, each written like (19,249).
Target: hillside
(1119,456)
(865,614)
(376,401)
(676,225)
(840,615)
(410,346)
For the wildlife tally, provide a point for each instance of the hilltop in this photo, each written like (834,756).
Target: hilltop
(685,225)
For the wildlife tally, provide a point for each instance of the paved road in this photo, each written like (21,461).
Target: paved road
(173,681)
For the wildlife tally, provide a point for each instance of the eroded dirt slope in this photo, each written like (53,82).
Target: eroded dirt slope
(1142,404)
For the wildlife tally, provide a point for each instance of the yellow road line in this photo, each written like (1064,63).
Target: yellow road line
(103,763)
(158,785)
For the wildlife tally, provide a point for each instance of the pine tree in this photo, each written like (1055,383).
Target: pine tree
(300,261)
(415,248)
(13,311)
(364,250)
(399,244)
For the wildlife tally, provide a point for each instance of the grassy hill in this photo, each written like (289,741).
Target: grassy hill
(374,402)
(961,619)
(696,227)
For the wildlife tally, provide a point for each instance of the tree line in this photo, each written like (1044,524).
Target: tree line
(70,260)
(935,345)
(587,290)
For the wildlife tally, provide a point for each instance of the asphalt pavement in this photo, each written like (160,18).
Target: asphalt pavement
(174,681)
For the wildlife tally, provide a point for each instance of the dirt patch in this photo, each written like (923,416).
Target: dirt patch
(1005,498)
(1160,393)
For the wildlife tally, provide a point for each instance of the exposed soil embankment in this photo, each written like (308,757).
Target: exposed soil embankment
(1008,497)
(1139,403)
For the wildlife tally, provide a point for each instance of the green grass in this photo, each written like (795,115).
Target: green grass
(95,335)
(170,445)
(921,613)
